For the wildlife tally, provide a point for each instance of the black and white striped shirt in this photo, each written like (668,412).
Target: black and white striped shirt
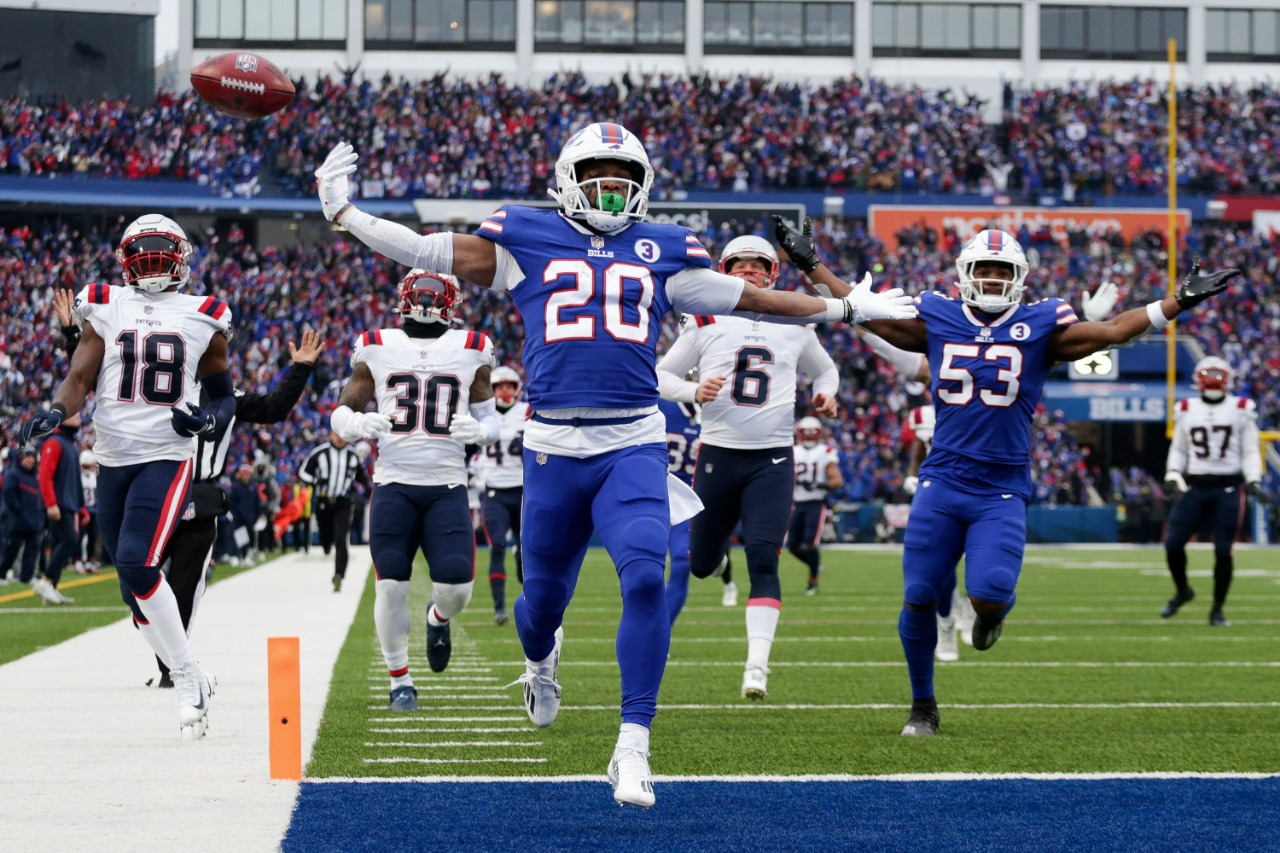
(271,408)
(332,470)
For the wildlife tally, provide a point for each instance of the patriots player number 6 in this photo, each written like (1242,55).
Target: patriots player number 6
(163,355)
(751,385)
(1009,375)
(427,404)
(584,290)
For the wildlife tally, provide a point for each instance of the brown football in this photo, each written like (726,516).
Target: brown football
(243,85)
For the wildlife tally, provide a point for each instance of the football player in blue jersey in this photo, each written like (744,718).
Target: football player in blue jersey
(592,280)
(683,430)
(990,354)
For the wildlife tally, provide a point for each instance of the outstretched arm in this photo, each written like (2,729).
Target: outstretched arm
(464,255)
(1081,339)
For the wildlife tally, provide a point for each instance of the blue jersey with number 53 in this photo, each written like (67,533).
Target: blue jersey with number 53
(592,304)
(988,375)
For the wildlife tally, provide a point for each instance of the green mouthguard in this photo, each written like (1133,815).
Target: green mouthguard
(612,202)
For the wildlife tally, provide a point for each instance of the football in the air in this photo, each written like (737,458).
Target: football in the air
(243,85)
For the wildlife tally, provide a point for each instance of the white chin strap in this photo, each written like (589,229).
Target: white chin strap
(155,283)
(1214,396)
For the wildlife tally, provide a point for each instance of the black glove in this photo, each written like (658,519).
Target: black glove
(1196,288)
(1260,494)
(198,422)
(798,245)
(41,425)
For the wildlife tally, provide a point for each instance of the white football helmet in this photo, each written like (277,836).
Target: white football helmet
(429,297)
(154,253)
(992,245)
(1212,378)
(501,375)
(922,420)
(809,431)
(611,212)
(750,246)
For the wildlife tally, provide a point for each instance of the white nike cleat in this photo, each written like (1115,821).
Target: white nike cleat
(541,690)
(755,682)
(193,687)
(47,591)
(630,778)
(730,596)
(947,650)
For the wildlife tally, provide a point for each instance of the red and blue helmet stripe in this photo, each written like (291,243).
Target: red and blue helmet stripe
(995,239)
(613,135)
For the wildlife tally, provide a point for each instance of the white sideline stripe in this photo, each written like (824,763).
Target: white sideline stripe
(122,760)
(473,730)
(485,719)
(453,744)
(421,687)
(811,777)
(1002,664)
(892,706)
(408,760)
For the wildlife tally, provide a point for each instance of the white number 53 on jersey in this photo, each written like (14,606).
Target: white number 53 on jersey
(1008,375)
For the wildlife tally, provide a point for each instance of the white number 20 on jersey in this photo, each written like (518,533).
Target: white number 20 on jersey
(583,327)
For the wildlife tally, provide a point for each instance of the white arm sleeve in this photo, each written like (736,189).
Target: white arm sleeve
(906,363)
(433,252)
(817,363)
(699,290)
(1250,446)
(675,365)
(1177,459)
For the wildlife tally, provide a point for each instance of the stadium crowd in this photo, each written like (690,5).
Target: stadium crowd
(439,137)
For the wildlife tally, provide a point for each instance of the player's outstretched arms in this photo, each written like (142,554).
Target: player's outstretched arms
(862,305)
(464,255)
(1081,339)
(349,420)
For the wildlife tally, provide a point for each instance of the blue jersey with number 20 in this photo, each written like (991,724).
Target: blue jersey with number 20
(592,304)
(988,377)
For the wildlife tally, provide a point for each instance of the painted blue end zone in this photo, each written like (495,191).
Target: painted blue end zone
(1112,814)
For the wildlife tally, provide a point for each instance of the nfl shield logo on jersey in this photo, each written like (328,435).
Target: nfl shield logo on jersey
(541,458)
(597,242)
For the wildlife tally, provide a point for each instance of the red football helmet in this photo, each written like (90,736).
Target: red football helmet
(1212,378)
(429,297)
(809,431)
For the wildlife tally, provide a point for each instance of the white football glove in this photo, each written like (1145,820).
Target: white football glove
(910,484)
(1175,479)
(371,425)
(331,179)
(1098,306)
(892,304)
(467,430)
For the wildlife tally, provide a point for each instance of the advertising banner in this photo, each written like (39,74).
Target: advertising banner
(887,220)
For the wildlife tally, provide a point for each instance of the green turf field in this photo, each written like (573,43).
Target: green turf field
(1086,678)
(27,624)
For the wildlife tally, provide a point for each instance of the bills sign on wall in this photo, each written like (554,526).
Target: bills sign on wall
(887,220)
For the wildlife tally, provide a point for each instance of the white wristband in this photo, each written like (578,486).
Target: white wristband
(340,421)
(1155,316)
(837,310)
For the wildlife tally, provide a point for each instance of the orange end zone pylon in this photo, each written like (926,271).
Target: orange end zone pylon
(284,707)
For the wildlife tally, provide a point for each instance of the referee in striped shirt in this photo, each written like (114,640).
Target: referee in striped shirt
(332,470)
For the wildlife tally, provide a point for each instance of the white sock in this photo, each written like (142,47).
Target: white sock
(762,624)
(633,736)
(405,680)
(391,619)
(165,633)
(434,619)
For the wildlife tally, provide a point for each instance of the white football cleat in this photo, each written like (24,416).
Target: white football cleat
(730,596)
(193,688)
(629,776)
(541,690)
(947,650)
(755,682)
